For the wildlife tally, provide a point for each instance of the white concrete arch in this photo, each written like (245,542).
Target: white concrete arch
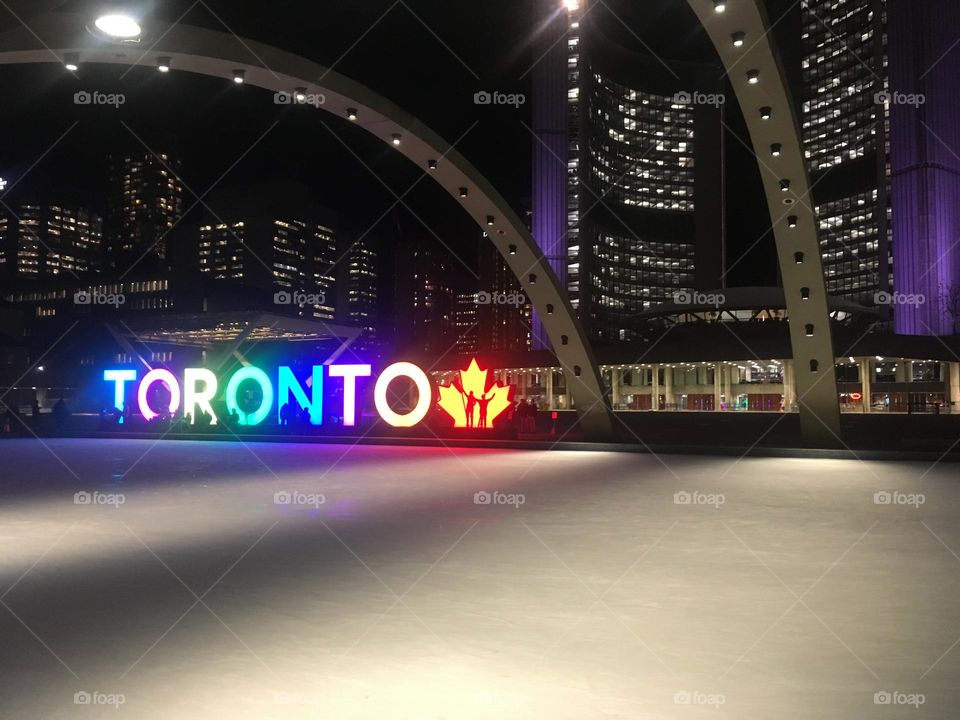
(761,87)
(219,54)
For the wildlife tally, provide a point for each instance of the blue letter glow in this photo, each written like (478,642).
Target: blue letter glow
(287,383)
(118,378)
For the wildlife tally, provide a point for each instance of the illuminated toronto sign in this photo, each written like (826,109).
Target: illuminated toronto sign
(160,393)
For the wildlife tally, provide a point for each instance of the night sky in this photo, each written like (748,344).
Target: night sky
(429,57)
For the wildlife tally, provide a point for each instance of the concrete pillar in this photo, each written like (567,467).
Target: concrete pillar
(789,388)
(727,384)
(655,397)
(615,387)
(902,371)
(717,385)
(954,374)
(866,383)
(550,389)
(667,387)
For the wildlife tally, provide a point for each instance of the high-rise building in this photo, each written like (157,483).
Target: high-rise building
(424,307)
(49,241)
(504,318)
(465,326)
(924,163)
(145,202)
(880,102)
(844,129)
(322,256)
(627,173)
(359,307)
(280,243)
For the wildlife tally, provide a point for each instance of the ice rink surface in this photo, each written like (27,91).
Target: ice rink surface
(224,580)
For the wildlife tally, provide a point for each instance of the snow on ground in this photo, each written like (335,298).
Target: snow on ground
(223,580)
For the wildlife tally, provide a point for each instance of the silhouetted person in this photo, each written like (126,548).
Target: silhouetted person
(35,409)
(529,416)
(483,401)
(285,415)
(60,412)
(471,404)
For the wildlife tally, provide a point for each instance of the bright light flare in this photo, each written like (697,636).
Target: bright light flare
(118,26)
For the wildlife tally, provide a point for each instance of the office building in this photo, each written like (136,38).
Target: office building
(41,242)
(627,172)
(145,201)
(360,299)
(284,244)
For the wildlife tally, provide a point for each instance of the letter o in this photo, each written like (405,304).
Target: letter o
(167,378)
(250,372)
(425,392)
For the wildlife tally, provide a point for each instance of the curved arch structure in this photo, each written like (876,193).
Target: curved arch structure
(762,91)
(219,54)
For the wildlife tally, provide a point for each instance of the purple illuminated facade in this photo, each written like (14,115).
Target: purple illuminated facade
(925,167)
(550,125)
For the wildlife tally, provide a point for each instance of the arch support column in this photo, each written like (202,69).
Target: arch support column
(757,77)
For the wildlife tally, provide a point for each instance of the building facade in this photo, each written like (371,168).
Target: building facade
(288,245)
(845,125)
(925,165)
(361,297)
(144,204)
(879,112)
(627,172)
(503,313)
(42,242)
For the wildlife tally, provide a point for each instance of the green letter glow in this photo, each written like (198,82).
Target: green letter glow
(258,376)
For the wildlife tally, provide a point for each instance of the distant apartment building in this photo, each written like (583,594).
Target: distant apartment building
(465,323)
(145,202)
(285,244)
(360,279)
(42,242)
(504,317)
(424,320)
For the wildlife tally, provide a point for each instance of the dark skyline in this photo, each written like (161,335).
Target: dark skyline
(423,56)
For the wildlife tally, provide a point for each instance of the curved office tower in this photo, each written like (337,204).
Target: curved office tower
(844,127)
(627,173)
